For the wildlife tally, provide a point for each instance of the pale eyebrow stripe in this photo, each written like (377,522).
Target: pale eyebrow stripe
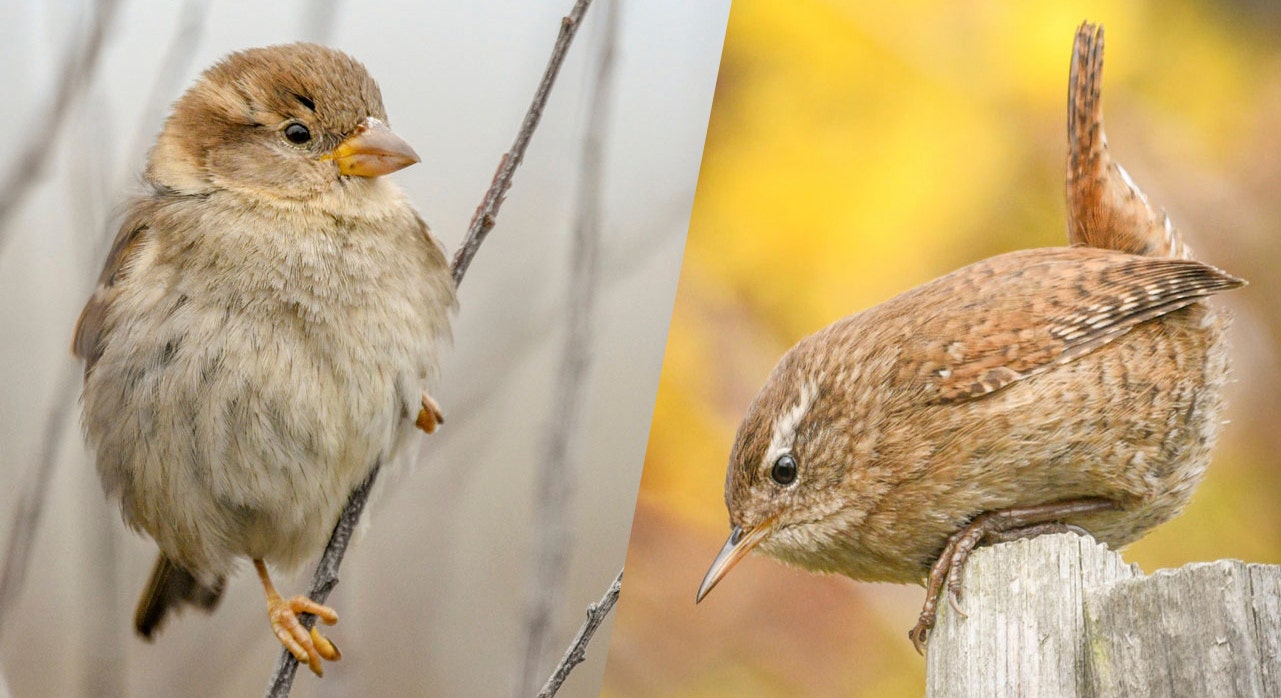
(785,426)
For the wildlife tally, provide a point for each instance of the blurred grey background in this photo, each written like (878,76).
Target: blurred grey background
(433,598)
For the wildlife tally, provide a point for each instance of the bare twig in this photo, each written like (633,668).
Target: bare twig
(326,576)
(27,517)
(484,220)
(555,503)
(577,652)
(29,166)
(90,192)
(75,82)
(172,69)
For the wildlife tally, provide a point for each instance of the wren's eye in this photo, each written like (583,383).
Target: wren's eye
(784,470)
(297,134)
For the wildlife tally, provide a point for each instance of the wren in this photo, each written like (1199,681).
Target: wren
(1068,388)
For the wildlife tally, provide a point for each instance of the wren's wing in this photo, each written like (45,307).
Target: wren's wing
(1038,309)
(1105,207)
(87,341)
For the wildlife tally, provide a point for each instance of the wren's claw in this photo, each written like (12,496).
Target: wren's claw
(992,527)
(1033,531)
(954,594)
(430,416)
(919,634)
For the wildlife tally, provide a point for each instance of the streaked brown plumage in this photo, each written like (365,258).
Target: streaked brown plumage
(1106,209)
(264,329)
(1033,391)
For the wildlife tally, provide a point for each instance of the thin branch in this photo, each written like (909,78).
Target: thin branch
(556,478)
(90,195)
(577,652)
(75,82)
(326,576)
(30,507)
(77,70)
(173,68)
(483,221)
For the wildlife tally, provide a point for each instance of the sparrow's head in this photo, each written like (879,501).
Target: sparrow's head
(289,123)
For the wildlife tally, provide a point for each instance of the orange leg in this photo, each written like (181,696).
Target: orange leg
(430,416)
(307,647)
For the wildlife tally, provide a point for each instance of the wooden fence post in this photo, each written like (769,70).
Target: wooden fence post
(1063,616)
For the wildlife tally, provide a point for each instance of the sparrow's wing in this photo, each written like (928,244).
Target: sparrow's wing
(86,343)
(1029,311)
(437,249)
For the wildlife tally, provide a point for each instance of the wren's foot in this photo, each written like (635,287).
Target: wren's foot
(430,416)
(308,647)
(992,527)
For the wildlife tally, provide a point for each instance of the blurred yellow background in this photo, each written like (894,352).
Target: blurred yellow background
(858,149)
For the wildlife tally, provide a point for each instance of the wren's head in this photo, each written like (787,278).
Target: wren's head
(282,124)
(792,456)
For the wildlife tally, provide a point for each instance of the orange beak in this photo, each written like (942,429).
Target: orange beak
(739,544)
(372,151)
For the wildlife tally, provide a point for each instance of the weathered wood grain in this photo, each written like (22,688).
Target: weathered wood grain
(1064,616)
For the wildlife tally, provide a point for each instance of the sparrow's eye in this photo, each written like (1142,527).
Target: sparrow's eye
(297,134)
(784,470)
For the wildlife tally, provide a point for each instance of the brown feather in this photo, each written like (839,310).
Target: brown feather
(172,588)
(1063,304)
(1105,208)
(86,341)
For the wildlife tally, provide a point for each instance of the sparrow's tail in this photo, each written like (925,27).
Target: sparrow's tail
(1105,207)
(172,587)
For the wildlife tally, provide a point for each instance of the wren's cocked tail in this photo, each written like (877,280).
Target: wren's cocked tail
(1073,388)
(1105,207)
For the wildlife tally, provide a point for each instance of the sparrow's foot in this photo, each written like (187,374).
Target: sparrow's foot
(993,526)
(430,416)
(307,646)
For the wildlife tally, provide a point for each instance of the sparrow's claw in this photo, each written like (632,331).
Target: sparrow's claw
(325,646)
(430,416)
(308,647)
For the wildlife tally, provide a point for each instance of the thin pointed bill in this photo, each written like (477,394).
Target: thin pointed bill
(739,544)
(372,151)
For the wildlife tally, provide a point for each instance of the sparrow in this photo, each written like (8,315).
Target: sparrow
(265,329)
